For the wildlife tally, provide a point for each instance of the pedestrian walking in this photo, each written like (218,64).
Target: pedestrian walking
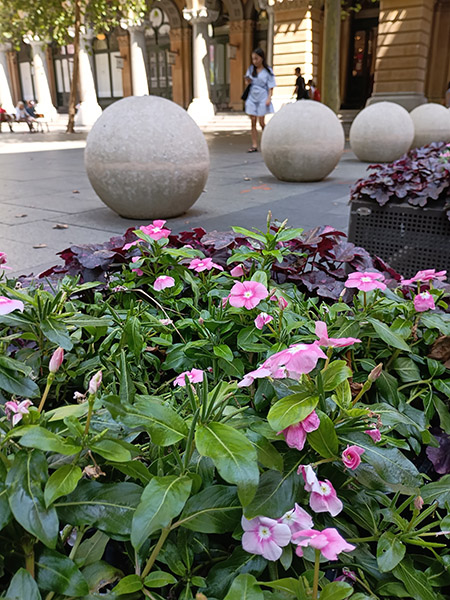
(300,88)
(260,82)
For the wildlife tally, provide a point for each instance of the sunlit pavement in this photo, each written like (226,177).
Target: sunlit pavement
(43,184)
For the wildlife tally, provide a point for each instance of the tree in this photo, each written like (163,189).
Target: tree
(62,22)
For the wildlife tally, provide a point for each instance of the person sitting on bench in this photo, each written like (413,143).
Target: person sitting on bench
(22,116)
(5,118)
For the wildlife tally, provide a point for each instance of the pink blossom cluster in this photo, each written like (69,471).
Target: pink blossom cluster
(7,305)
(365,281)
(156,230)
(203,264)
(425,276)
(162,282)
(3,261)
(267,537)
(194,376)
(323,497)
(423,302)
(246,294)
(15,411)
(322,333)
(295,435)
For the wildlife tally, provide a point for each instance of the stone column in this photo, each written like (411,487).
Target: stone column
(403,43)
(138,60)
(89,109)
(201,109)
(42,87)
(5,89)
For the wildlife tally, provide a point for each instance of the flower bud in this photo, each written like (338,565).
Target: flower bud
(375,372)
(95,382)
(56,360)
(418,503)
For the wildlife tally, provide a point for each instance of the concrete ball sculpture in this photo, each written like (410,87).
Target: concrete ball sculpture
(302,142)
(381,132)
(146,158)
(431,124)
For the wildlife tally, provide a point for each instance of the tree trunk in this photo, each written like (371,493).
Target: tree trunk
(330,60)
(76,69)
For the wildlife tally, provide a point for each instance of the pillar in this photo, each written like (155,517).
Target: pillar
(181,45)
(5,89)
(403,43)
(41,83)
(439,59)
(238,62)
(295,44)
(201,109)
(138,60)
(89,110)
(123,40)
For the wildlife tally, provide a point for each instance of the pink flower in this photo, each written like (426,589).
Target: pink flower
(7,305)
(166,321)
(265,536)
(297,360)
(424,301)
(295,435)
(282,302)
(194,376)
(17,410)
(346,574)
(137,271)
(156,230)
(426,275)
(3,261)
(250,377)
(131,244)
(56,360)
(162,282)
(323,496)
(297,519)
(374,434)
(237,271)
(324,340)
(203,264)
(351,457)
(365,281)
(247,294)
(262,319)
(95,383)
(329,542)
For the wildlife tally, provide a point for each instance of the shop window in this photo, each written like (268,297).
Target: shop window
(108,68)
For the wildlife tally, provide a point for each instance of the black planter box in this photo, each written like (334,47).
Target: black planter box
(407,237)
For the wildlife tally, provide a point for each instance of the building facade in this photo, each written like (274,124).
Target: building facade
(195,52)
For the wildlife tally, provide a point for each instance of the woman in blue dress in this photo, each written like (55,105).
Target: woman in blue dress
(259,100)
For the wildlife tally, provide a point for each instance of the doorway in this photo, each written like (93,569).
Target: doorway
(157,43)
(361,67)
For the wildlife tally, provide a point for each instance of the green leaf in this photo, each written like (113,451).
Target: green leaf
(233,455)
(394,469)
(388,336)
(56,331)
(164,425)
(392,589)
(436,321)
(111,450)
(46,440)
(58,573)
(336,373)
(159,579)
(106,506)
(276,494)
(24,481)
(289,585)
(23,587)
(222,574)
(244,587)
(337,590)
(5,511)
(414,581)
(268,456)
(223,351)
(127,388)
(91,550)
(250,234)
(444,414)
(407,369)
(216,509)
(14,383)
(260,277)
(291,410)
(62,482)
(324,439)
(162,500)
(390,551)
(438,491)
(443,385)
(128,585)
(99,575)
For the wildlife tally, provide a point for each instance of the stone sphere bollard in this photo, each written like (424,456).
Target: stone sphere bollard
(431,124)
(146,158)
(381,132)
(303,141)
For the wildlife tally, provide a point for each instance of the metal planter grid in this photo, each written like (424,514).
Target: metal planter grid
(408,238)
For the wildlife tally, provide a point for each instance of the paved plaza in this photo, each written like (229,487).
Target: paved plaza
(43,185)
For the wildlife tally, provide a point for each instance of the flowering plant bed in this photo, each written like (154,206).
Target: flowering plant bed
(200,428)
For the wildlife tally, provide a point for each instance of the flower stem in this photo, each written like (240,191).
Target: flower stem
(156,550)
(29,558)
(50,378)
(91,400)
(315,589)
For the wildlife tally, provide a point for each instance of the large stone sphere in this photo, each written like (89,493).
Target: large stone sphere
(381,132)
(431,124)
(146,158)
(303,141)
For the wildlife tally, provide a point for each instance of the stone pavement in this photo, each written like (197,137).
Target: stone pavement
(43,183)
